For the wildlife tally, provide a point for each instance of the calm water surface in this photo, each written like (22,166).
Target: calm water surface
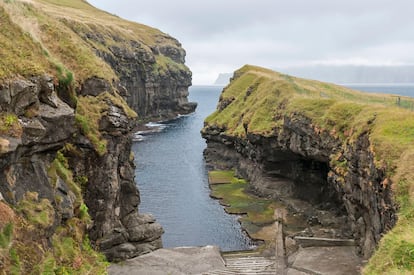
(172,179)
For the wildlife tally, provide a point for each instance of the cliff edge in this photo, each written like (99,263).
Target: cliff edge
(339,149)
(74,81)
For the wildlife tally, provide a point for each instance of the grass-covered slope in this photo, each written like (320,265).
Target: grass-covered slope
(257,100)
(54,36)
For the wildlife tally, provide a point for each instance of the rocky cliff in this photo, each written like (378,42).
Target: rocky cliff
(67,72)
(337,149)
(152,77)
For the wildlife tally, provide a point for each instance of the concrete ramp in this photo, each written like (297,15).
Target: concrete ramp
(174,261)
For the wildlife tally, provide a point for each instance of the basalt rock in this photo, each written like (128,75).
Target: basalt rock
(65,128)
(300,161)
(154,81)
(110,191)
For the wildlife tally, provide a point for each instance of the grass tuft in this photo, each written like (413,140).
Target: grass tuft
(10,125)
(6,236)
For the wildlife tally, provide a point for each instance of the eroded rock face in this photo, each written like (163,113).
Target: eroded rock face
(106,180)
(112,195)
(24,163)
(303,162)
(154,81)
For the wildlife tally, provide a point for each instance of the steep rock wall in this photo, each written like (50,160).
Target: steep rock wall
(294,156)
(102,181)
(152,78)
(66,167)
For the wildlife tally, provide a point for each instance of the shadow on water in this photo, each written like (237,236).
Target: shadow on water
(173,182)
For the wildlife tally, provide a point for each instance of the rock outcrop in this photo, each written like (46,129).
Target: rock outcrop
(66,167)
(152,77)
(293,138)
(154,91)
(296,164)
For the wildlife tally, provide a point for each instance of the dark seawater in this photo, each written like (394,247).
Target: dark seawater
(172,179)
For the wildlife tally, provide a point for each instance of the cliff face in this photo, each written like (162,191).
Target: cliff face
(297,164)
(156,90)
(152,78)
(317,142)
(66,167)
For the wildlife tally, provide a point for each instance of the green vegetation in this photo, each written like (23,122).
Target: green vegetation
(19,54)
(70,253)
(89,112)
(38,212)
(220,176)
(257,212)
(260,100)
(10,125)
(165,64)
(6,236)
(61,38)
(60,168)
(38,36)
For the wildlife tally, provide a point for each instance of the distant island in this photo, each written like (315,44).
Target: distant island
(343,74)
(223,79)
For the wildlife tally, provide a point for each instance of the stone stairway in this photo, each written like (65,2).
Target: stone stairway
(246,263)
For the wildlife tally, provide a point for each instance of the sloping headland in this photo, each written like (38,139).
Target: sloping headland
(336,149)
(74,82)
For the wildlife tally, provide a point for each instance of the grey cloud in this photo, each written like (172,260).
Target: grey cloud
(224,34)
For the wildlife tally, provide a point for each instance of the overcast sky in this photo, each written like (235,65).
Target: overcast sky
(222,35)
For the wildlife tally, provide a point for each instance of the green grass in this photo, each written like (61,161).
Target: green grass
(15,262)
(89,112)
(39,212)
(60,168)
(220,176)
(36,35)
(6,235)
(258,212)
(343,114)
(10,125)
(19,54)
(164,64)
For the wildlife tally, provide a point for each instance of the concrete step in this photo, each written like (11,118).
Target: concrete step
(246,264)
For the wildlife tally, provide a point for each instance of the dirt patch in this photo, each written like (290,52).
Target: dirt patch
(6,214)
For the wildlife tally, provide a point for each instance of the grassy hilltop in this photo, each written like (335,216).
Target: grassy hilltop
(258,99)
(53,36)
